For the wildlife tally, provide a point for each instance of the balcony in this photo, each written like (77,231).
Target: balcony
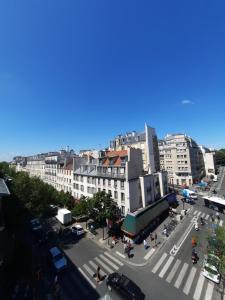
(110,175)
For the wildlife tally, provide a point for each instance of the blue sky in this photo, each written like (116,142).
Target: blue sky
(80,72)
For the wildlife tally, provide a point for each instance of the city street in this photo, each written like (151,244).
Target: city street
(168,273)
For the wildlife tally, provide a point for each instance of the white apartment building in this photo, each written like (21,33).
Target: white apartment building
(209,161)
(182,158)
(64,176)
(146,141)
(119,173)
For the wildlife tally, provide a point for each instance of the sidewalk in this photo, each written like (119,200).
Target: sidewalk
(139,255)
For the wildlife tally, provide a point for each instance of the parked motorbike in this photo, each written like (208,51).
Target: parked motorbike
(202,222)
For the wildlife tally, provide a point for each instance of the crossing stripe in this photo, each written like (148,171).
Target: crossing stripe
(221,222)
(207,216)
(156,267)
(189,281)
(89,270)
(173,271)
(109,262)
(195,212)
(166,267)
(120,254)
(199,287)
(103,265)
(216,221)
(203,215)
(209,291)
(95,267)
(149,254)
(87,278)
(114,259)
(199,213)
(181,275)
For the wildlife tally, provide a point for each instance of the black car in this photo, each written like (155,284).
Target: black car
(124,286)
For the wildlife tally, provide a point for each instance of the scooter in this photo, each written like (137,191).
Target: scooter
(194,258)
(202,222)
(196,227)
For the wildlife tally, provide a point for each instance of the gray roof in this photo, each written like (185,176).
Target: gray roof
(3,188)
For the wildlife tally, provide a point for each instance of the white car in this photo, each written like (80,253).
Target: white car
(57,259)
(35,224)
(77,229)
(211,268)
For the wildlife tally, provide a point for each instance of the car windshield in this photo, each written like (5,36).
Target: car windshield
(211,271)
(57,257)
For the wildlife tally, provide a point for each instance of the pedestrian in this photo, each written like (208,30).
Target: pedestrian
(145,244)
(151,237)
(217,215)
(155,239)
(98,276)
(124,247)
(113,240)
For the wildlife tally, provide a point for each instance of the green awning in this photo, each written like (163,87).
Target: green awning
(135,222)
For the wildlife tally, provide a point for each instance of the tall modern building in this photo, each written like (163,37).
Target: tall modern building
(182,158)
(146,141)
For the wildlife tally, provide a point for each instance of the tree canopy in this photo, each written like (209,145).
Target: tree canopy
(220,157)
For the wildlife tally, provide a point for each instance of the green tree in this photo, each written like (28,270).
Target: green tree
(81,208)
(220,157)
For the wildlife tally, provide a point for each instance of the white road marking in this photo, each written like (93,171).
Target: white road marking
(189,281)
(195,212)
(173,271)
(109,262)
(203,215)
(88,270)
(199,287)
(149,254)
(216,221)
(199,213)
(103,265)
(156,267)
(221,223)
(120,254)
(209,291)
(166,267)
(95,267)
(87,278)
(207,216)
(181,275)
(114,259)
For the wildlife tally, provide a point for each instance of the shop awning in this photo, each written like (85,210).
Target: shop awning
(135,222)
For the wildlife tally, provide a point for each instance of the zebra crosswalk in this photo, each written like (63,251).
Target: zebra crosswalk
(206,216)
(185,277)
(108,264)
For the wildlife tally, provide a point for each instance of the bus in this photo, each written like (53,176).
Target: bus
(215,203)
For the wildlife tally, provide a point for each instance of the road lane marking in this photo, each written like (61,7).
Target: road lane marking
(209,291)
(89,270)
(207,216)
(95,267)
(221,222)
(199,213)
(173,271)
(166,267)
(149,254)
(104,265)
(181,275)
(189,281)
(203,215)
(195,212)
(199,286)
(109,262)
(163,257)
(120,254)
(114,259)
(87,278)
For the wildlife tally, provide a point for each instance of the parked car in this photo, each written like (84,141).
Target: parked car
(57,259)
(211,268)
(124,286)
(35,224)
(77,229)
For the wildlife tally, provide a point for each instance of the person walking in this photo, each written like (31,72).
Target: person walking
(145,244)
(155,239)
(98,275)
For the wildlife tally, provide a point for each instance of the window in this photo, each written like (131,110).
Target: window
(98,180)
(110,192)
(123,209)
(115,184)
(103,181)
(82,188)
(115,195)
(122,184)
(122,197)
(109,182)
(99,190)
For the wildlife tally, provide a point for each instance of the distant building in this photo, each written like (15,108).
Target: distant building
(182,158)
(209,161)
(146,141)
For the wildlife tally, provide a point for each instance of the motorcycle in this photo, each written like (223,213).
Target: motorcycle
(202,222)
(196,226)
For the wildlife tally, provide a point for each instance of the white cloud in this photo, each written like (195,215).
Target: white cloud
(186,101)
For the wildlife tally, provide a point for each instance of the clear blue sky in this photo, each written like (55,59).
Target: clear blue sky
(80,72)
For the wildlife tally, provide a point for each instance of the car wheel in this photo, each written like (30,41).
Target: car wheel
(109,288)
